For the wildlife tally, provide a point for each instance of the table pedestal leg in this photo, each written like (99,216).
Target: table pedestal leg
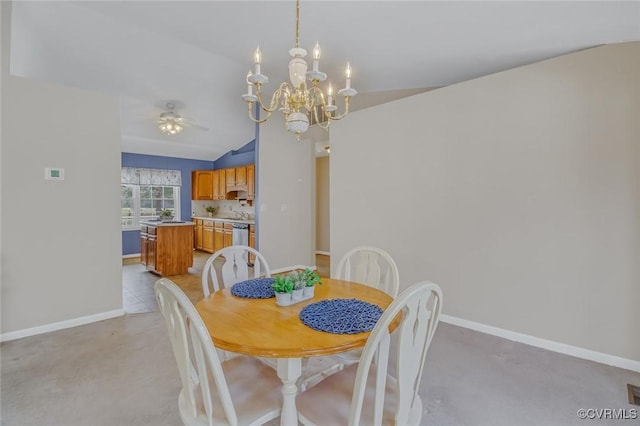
(289,370)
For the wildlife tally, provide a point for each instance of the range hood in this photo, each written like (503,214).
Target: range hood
(237,192)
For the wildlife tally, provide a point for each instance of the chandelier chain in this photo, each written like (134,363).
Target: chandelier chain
(297,23)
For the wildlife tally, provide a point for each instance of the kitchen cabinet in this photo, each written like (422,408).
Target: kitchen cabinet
(207,236)
(241,176)
(167,249)
(252,242)
(251,182)
(218,236)
(202,185)
(197,237)
(216,184)
(222,185)
(144,244)
(219,184)
(230,175)
(228,234)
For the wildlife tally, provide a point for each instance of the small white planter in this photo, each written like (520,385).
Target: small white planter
(283,299)
(297,294)
(286,299)
(308,291)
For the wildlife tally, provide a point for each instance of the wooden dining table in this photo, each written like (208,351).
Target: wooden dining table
(259,327)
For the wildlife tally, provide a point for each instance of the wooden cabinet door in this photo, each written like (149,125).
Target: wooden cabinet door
(198,234)
(215,178)
(230,175)
(202,185)
(222,184)
(218,236)
(241,176)
(207,236)
(252,242)
(251,182)
(228,237)
(143,248)
(151,253)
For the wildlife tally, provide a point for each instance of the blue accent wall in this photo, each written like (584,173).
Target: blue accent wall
(237,157)
(131,239)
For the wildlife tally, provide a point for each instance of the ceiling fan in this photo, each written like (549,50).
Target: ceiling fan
(172,123)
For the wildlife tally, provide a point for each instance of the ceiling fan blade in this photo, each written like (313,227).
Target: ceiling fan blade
(197,126)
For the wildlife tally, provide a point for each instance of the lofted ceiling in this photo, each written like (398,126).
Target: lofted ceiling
(197,54)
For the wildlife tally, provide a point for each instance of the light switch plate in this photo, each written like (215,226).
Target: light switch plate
(53,173)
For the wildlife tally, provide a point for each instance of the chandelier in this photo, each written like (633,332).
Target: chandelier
(170,122)
(300,102)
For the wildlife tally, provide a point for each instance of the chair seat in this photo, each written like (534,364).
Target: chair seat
(253,387)
(336,392)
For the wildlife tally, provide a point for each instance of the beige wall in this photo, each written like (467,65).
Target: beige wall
(322,204)
(286,204)
(60,240)
(517,192)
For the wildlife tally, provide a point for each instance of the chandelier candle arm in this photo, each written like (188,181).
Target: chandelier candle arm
(298,101)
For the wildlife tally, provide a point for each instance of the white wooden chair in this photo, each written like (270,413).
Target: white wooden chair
(234,269)
(241,391)
(371,266)
(365,393)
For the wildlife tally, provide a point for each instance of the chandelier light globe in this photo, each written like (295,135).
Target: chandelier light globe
(297,123)
(301,99)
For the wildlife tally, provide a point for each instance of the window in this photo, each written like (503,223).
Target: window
(144,201)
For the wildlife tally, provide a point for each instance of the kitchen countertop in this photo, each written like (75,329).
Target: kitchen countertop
(225,219)
(160,223)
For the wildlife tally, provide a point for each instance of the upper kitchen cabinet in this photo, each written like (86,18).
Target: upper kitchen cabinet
(219,185)
(231,177)
(241,176)
(202,185)
(236,178)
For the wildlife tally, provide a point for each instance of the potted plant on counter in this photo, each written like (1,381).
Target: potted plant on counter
(282,287)
(210,210)
(166,215)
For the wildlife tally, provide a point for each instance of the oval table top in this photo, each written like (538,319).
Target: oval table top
(259,327)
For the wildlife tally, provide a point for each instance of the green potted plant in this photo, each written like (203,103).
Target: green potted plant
(310,279)
(299,283)
(166,215)
(282,287)
(210,210)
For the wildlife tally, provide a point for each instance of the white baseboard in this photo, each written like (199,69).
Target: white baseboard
(538,342)
(291,268)
(13,335)
(127,256)
(325,253)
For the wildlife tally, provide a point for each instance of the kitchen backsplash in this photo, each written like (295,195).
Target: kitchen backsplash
(225,208)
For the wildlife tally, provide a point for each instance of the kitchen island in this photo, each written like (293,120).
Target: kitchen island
(166,248)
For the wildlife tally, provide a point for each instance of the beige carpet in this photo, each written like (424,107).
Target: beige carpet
(122,372)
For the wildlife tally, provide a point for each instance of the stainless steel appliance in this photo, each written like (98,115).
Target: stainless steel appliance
(240,234)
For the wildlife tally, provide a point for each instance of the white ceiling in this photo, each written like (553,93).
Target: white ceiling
(198,53)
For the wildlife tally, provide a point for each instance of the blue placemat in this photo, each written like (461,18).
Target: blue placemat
(341,316)
(258,288)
